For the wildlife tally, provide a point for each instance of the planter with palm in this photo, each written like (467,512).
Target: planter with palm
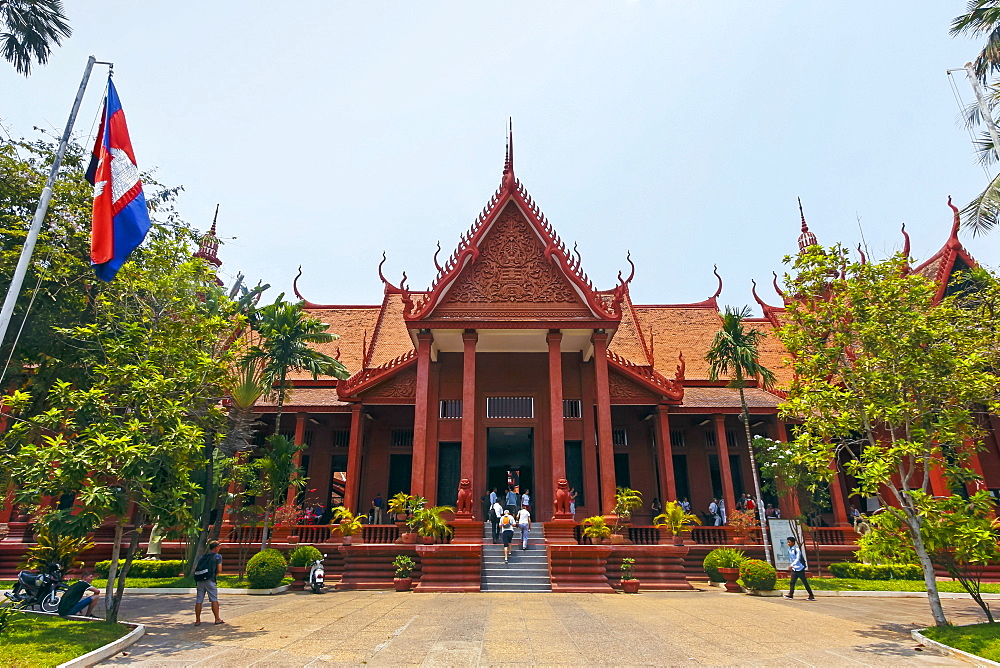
(347,523)
(735,354)
(627,501)
(431,524)
(676,520)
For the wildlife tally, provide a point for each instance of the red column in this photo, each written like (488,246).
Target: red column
(840,518)
(419,470)
(469,339)
(788,497)
(353,482)
(972,486)
(605,445)
(725,471)
(300,434)
(665,451)
(589,492)
(557,436)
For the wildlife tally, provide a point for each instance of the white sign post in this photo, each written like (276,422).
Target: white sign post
(780,531)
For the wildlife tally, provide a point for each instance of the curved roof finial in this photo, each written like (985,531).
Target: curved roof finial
(806,238)
(774,282)
(906,243)
(864,258)
(953,239)
(214,219)
(715,270)
(295,284)
(753,291)
(436,265)
(628,257)
(402,283)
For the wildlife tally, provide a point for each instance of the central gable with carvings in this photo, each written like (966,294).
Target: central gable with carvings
(512,278)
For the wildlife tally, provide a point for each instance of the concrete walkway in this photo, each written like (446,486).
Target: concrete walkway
(662,628)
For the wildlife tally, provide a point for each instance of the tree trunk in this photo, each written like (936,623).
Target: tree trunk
(116,550)
(758,501)
(206,508)
(263,535)
(937,612)
(116,602)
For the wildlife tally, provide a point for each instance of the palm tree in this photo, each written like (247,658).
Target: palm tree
(28,28)
(285,332)
(734,353)
(982,17)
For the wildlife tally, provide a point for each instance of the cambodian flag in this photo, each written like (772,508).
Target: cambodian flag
(121,220)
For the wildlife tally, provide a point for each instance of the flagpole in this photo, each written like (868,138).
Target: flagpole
(43,205)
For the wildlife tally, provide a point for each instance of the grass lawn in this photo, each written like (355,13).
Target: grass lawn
(34,640)
(845,584)
(981,639)
(224,582)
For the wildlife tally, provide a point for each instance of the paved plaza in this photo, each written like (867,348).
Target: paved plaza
(664,628)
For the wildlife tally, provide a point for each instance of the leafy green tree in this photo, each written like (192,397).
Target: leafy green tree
(28,29)
(735,353)
(890,381)
(272,475)
(130,433)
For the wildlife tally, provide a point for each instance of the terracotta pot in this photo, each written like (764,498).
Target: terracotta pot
(427,540)
(402,584)
(293,539)
(630,586)
(617,539)
(348,540)
(408,538)
(300,573)
(731,575)
(739,540)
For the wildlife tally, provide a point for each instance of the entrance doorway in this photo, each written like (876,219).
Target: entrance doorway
(510,459)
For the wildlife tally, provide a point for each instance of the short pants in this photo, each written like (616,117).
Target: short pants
(507,536)
(207,587)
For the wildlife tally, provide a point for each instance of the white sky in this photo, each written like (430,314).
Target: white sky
(331,131)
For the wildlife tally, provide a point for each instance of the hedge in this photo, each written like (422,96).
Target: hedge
(847,569)
(712,562)
(303,556)
(266,569)
(757,574)
(144,568)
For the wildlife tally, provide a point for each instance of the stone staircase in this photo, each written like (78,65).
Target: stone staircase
(527,570)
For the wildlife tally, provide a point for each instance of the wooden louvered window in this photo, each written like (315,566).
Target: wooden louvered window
(572,410)
(401,438)
(340,438)
(677,438)
(451,409)
(619,437)
(510,407)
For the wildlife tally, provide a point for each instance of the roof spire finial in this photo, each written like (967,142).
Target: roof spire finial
(807,238)
(508,163)
(214,219)
(208,248)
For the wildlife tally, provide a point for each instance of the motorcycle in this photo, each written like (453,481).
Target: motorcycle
(316,575)
(38,588)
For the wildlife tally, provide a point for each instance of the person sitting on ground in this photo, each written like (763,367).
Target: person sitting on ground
(80,595)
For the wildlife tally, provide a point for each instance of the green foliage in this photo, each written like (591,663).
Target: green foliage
(51,548)
(722,557)
(744,522)
(9,616)
(401,503)
(42,640)
(982,640)
(850,584)
(734,351)
(431,521)
(850,570)
(757,574)
(303,556)
(403,565)
(626,501)
(266,569)
(167,568)
(595,528)
(885,540)
(628,564)
(675,519)
(29,29)
(348,523)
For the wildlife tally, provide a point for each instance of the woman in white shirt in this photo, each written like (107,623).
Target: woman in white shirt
(524,522)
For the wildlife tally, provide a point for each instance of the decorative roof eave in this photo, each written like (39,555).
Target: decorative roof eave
(710,303)
(671,390)
(369,377)
(305,302)
(952,250)
(770,312)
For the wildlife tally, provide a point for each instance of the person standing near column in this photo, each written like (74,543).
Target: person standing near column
(377,504)
(524,522)
(797,570)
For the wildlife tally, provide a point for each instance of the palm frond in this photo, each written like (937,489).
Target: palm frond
(30,28)
(981,214)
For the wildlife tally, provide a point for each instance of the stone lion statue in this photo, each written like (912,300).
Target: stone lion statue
(561,503)
(464,504)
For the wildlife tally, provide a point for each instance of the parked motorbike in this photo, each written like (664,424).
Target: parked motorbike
(316,575)
(41,589)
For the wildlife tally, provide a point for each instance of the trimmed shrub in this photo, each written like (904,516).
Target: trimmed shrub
(266,569)
(757,574)
(303,555)
(168,568)
(847,569)
(722,557)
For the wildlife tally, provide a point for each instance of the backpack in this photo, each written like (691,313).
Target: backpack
(507,521)
(493,514)
(203,571)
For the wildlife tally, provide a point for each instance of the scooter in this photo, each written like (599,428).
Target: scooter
(316,575)
(42,589)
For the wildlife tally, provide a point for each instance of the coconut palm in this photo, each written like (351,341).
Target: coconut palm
(982,17)
(735,354)
(285,331)
(28,29)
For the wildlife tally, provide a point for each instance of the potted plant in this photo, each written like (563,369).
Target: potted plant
(404,570)
(299,562)
(400,506)
(596,529)
(630,585)
(744,524)
(431,525)
(675,520)
(408,507)
(284,518)
(626,501)
(758,577)
(725,562)
(347,523)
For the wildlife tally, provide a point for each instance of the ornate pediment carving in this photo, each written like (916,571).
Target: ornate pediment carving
(621,387)
(401,386)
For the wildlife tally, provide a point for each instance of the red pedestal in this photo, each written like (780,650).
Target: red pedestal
(369,566)
(559,532)
(658,567)
(468,531)
(579,568)
(453,567)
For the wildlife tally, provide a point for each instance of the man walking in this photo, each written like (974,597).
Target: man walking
(377,504)
(496,512)
(507,530)
(524,522)
(797,570)
(209,567)
(511,500)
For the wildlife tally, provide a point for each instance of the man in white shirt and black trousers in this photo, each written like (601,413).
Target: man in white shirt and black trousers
(797,569)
